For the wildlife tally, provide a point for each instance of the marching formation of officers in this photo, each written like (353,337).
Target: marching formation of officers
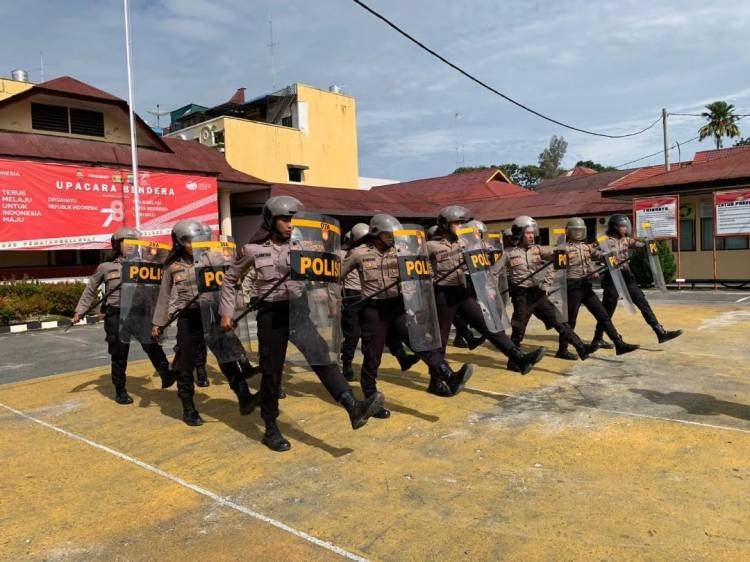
(384,283)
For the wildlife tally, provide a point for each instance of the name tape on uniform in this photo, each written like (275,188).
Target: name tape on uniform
(414,268)
(315,266)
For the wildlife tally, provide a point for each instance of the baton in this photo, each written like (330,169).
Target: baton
(96,303)
(602,268)
(529,276)
(255,304)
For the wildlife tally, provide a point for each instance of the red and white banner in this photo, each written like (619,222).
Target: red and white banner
(662,212)
(732,212)
(54,206)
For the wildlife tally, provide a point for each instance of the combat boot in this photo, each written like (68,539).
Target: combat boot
(438,386)
(382,414)
(599,343)
(122,396)
(406,360)
(201,377)
(274,440)
(248,369)
(474,342)
(248,401)
(189,414)
(621,348)
(456,380)
(167,376)
(523,362)
(665,335)
(581,348)
(347,370)
(460,342)
(564,353)
(361,410)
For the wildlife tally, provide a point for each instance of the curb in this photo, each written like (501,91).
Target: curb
(34,326)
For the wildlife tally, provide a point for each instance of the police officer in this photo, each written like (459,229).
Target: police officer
(580,289)
(268,254)
(178,295)
(619,233)
(383,311)
(453,295)
(464,338)
(350,328)
(109,273)
(529,292)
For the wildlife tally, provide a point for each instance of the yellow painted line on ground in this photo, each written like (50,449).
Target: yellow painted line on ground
(197,489)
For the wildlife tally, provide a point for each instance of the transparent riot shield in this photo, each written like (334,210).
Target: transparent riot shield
(212,258)
(557,291)
(652,251)
(315,306)
(498,261)
(483,282)
(415,273)
(613,268)
(141,278)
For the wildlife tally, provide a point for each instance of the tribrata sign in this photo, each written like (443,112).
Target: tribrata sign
(53,206)
(661,212)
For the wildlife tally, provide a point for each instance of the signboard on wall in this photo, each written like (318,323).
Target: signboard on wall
(732,212)
(53,206)
(662,212)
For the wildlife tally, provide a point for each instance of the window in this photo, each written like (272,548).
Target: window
(218,137)
(687,235)
(49,118)
(544,236)
(84,122)
(67,120)
(296,174)
(728,243)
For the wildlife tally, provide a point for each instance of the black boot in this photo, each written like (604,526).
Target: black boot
(201,377)
(474,342)
(599,343)
(167,376)
(523,362)
(665,335)
(248,401)
(189,414)
(456,380)
(382,414)
(438,386)
(347,370)
(248,370)
(621,348)
(581,348)
(274,440)
(459,341)
(406,360)
(122,396)
(361,410)
(564,353)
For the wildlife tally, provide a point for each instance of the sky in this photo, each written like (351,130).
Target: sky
(609,66)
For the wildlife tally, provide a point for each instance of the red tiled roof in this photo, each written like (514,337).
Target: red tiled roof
(69,85)
(184,156)
(717,167)
(639,174)
(709,155)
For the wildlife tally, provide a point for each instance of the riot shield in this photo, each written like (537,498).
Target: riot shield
(558,287)
(613,268)
(652,251)
(141,278)
(415,273)
(498,261)
(211,259)
(484,283)
(315,308)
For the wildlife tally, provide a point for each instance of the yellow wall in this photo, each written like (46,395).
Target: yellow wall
(10,88)
(328,148)
(698,264)
(17,117)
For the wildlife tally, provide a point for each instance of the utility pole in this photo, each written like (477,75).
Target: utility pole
(271,48)
(133,145)
(666,141)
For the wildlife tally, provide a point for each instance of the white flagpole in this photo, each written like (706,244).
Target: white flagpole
(133,146)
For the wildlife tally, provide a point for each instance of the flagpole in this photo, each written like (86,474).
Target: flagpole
(133,146)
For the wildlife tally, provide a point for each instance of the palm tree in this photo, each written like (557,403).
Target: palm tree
(721,122)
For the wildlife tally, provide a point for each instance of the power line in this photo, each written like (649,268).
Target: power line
(701,115)
(490,88)
(681,143)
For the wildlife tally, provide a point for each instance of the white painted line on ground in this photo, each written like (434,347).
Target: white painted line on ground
(743,299)
(202,491)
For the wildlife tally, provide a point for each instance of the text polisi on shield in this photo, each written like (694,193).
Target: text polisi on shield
(142,273)
(414,268)
(315,266)
(209,279)
(477,260)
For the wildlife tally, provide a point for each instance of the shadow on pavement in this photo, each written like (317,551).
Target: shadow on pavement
(696,403)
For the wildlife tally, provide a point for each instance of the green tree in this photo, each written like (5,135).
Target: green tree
(743,142)
(721,122)
(642,271)
(526,176)
(551,157)
(595,166)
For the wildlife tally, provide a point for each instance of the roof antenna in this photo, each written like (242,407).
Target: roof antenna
(271,47)
(158,114)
